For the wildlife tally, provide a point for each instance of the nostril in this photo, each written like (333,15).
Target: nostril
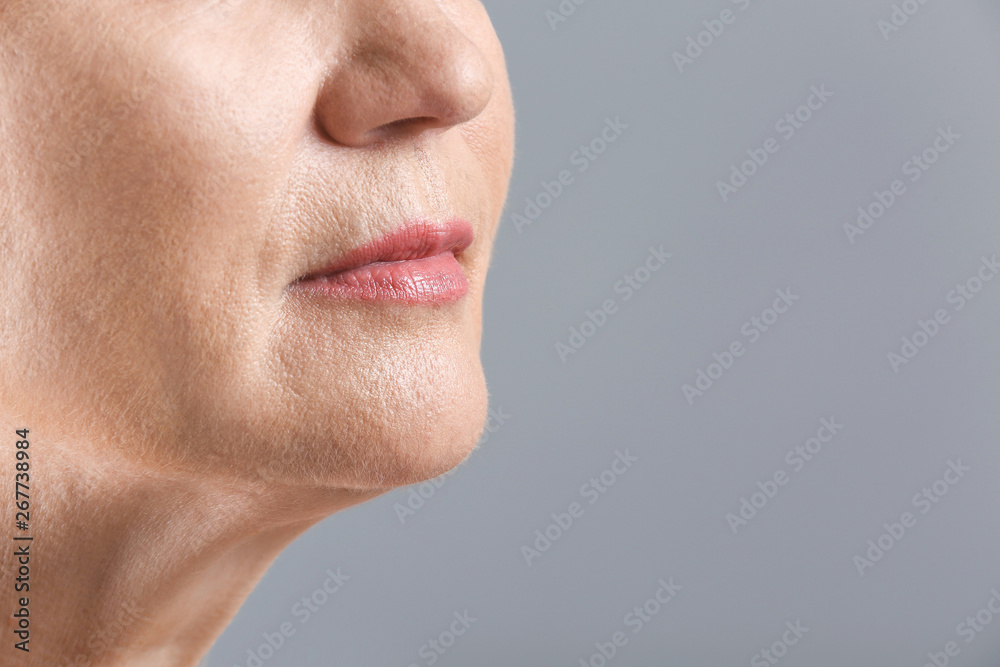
(408,127)
(404,123)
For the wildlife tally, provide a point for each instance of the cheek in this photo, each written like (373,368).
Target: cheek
(138,242)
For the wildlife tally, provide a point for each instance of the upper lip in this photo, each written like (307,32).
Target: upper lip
(413,240)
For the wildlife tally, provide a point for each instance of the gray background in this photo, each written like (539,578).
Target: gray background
(827,357)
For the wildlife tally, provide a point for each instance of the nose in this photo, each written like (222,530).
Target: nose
(405,69)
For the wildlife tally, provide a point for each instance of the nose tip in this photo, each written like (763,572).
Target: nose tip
(410,72)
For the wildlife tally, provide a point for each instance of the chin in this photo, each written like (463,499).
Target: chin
(421,438)
(397,421)
(433,446)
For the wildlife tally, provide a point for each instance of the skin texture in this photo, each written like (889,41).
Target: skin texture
(168,170)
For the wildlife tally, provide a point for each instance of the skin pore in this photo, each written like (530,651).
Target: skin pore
(169,169)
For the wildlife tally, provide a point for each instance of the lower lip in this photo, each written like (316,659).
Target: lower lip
(429,280)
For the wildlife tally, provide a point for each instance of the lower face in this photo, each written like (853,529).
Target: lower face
(167,189)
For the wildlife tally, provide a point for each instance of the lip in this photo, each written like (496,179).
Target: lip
(415,264)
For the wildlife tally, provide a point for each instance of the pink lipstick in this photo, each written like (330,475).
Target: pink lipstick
(416,264)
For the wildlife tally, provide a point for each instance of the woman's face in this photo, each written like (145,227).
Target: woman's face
(171,170)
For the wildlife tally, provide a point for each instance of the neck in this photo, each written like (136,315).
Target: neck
(131,567)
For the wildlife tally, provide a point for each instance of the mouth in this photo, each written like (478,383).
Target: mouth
(415,264)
